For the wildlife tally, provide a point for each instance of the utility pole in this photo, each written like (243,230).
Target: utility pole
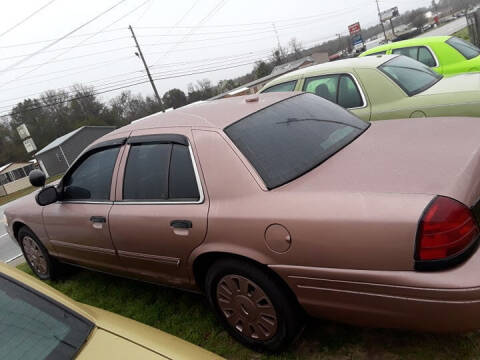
(381,22)
(140,55)
(278,40)
(339,42)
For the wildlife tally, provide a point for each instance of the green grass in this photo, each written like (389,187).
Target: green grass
(18,194)
(463,34)
(189,317)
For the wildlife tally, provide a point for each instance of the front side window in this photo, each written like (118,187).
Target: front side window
(420,53)
(33,327)
(465,48)
(160,172)
(293,136)
(91,178)
(286,86)
(412,76)
(340,89)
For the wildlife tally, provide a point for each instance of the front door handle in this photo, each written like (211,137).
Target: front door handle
(98,219)
(181,224)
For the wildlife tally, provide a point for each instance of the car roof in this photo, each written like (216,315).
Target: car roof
(209,114)
(345,65)
(406,43)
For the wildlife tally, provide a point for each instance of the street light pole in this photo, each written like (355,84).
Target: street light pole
(381,22)
(140,55)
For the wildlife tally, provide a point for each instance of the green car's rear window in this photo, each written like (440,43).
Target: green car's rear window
(465,48)
(411,75)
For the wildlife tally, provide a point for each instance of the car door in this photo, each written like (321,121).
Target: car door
(160,212)
(342,89)
(77,225)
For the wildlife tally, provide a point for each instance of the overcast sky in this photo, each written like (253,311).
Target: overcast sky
(177,37)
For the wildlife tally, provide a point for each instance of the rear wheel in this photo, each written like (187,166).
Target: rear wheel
(35,254)
(251,304)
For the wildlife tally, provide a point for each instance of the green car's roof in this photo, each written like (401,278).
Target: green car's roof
(406,43)
(345,65)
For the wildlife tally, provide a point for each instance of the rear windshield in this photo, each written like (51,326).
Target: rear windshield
(411,75)
(290,138)
(33,327)
(463,47)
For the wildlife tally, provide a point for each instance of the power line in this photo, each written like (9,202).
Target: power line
(63,37)
(125,87)
(27,18)
(212,12)
(82,41)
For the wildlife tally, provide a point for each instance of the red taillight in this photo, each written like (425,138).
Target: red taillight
(446,229)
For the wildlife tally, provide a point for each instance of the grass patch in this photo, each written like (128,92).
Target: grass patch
(20,193)
(189,317)
(463,34)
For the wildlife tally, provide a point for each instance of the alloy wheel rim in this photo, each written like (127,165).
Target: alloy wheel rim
(35,256)
(246,307)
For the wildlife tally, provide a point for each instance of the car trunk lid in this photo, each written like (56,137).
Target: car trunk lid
(457,83)
(437,156)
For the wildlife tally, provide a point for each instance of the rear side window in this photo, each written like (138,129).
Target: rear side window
(340,89)
(182,182)
(465,48)
(33,327)
(420,53)
(146,173)
(159,172)
(91,178)
(286,86)
(291,137)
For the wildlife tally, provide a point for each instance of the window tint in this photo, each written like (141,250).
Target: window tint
(463,47)
(411,75)
(426,57)
(182,182)
(411,52)
(286,86)
(146,172)
(159,172)
(348,94)
(323,86)
(291,137)
(92,178)
(32,327)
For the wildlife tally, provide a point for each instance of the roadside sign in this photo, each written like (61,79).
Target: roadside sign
(354,28)
(23,131)
(29,145)
(389,14)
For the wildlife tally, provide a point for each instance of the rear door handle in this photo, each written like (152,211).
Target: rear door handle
(98,219)
(181,224)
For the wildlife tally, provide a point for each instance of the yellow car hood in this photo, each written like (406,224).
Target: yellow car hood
(128,335)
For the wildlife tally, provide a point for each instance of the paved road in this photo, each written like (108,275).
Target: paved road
(447,29)
(8,249)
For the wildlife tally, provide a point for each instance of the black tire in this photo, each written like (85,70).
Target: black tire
(247,312)
(27,239)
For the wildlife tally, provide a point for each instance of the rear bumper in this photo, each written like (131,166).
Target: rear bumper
(445,301)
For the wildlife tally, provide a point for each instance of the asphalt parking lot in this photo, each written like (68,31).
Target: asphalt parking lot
(8,249)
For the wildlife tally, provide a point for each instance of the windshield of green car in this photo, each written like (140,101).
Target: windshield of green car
(468,50)
(411,75)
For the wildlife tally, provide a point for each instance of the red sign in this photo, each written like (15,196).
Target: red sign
(354,28)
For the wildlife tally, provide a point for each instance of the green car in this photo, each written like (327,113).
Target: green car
(447,55)
(386,87)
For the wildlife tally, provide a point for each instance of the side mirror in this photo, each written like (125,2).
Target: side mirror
(37,178)
(47,196)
